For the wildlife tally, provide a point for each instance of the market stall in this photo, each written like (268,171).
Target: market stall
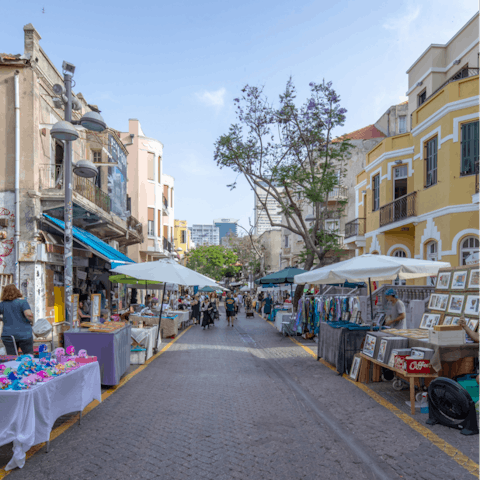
(28,416)
(111,347)
(145,337)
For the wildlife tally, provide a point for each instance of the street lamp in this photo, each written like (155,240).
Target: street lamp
(65,131)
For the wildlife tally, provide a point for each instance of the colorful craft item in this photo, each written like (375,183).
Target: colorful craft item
(2,368)
(70,350)
(7,371)
(83,353)
(59,352)
(18,385)
(4,383)
(42,348)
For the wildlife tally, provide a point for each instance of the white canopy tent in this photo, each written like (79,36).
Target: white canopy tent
(365,267)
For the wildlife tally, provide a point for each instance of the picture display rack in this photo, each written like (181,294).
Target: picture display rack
(456,294)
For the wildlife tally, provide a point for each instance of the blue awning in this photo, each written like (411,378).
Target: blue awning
(93,243)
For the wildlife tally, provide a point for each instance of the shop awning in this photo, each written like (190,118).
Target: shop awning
(93,243)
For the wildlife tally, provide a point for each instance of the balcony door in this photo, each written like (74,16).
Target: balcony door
(399,190)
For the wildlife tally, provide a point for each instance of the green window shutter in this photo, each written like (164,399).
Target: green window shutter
(469,148)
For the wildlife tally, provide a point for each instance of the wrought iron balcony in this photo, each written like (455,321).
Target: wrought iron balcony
(51,177)
(399,209)
(464,73)
(355,228)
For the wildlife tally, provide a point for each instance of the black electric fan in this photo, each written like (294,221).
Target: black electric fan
(451,405)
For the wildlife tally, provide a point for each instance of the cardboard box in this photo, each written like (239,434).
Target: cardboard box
(453,337)
(416,365)
(405,352)
(422,353)
(447,328)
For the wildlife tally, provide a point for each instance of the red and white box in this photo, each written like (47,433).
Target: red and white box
(83,360)
(399,361)
(417,365)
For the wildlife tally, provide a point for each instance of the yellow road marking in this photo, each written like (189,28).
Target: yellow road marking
(72,420)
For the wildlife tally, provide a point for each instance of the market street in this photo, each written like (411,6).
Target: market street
(242,403)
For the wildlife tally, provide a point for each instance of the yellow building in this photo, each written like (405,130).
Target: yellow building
(182,238)
(418,192)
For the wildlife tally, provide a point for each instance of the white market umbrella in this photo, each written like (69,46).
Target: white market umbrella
(365,267)
(165,271)
(379,267)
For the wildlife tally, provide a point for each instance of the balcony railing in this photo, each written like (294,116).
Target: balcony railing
(134,224)
(399,209)
(355,228)
(338,193)
(167,246)
(464,73)
(51,177)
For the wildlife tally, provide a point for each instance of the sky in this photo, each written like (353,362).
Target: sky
(177,66)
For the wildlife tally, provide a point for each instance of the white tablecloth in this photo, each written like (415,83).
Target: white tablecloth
(182,316)
(147,338)
(27,416)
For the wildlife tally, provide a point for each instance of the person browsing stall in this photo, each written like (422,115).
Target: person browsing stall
(17,321)
(395,310)
(81,312)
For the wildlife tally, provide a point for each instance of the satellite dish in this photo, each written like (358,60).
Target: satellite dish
(451,405)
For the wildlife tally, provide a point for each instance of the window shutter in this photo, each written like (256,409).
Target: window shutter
(151,166)
(151,214)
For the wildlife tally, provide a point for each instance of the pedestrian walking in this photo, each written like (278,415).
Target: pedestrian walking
(17,321)
(239,301)
(267,307)
(230,306)
(216,302)
(196,310)
(207,311)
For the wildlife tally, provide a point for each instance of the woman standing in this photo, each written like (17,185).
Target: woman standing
(196,310)
(207,310)
(267,308)
(17,321)
(216,303)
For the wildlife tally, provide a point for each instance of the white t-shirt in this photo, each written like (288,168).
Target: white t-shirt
(239,299)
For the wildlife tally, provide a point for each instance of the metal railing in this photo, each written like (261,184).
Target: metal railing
(338,193)
(87,189)
(51,177)
(167,246)
(355,227)
(399,209)
(464,73)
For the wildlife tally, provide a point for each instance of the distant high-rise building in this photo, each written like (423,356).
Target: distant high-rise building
(205,235)
(262,222)
(227,226)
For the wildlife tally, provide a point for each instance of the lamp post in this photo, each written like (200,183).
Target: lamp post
(65,131)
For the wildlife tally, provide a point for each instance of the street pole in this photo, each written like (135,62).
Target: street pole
(68,213)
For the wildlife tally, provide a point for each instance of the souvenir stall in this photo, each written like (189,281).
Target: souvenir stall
(341,328)
(35,392)
(110,342)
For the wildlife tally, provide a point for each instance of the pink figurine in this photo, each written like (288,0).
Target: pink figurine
(82,353)
(59,352)
(70,350)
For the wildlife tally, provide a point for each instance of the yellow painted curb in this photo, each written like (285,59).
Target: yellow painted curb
(72,420)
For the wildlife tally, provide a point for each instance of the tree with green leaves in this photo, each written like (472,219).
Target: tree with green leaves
(214,261)
(289,153)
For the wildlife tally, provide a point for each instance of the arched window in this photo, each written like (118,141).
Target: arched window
(431,249)
(468,246)
(399,253)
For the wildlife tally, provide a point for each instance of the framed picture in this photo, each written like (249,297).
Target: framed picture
(456,304)
(429,320)
(358,318)
(459,280)
(472,324)
(369,346)
(455,320)
(433,301)
(447,320)
(382,350)
(355,368)
(443,280)
(474,280)
(471,305)
(441,302)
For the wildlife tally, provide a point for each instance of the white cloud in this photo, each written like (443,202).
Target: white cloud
(213,99)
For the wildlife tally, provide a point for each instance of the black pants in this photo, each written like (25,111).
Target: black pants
(25,345)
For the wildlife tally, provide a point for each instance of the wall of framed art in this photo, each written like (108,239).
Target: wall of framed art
(456,294)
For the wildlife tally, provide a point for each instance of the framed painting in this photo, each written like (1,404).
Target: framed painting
(433,301)
(455,320)
(382,350)
(369,346)
(447,320)
(472,324)
(459,280)
(471,305)
(456,304)
(355,368)
(441,303)
(474,279)
(443,280)
(425,321)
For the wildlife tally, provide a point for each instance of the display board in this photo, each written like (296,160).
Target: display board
(96,307)
(456,295)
